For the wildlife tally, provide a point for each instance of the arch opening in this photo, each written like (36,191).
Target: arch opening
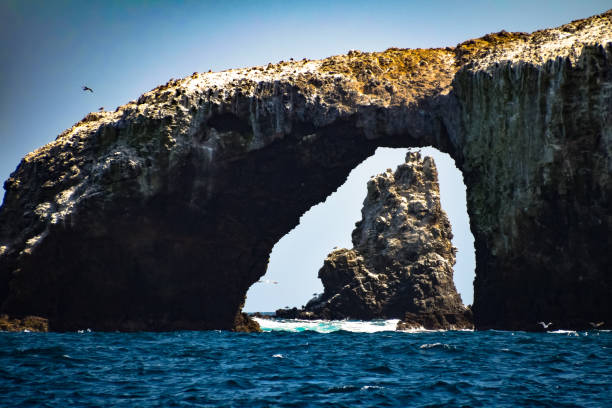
(291,277)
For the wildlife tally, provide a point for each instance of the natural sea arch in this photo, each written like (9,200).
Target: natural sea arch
(162,214)
(291,277)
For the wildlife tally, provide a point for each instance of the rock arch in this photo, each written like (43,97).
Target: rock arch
(160,215)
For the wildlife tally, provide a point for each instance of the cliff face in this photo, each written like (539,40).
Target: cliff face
(537,164)
(160,215)
(402,257)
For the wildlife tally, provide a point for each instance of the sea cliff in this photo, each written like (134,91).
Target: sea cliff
(161,214)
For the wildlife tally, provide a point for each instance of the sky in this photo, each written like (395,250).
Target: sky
(121,49)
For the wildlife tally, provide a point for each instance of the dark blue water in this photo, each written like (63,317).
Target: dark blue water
(306,369)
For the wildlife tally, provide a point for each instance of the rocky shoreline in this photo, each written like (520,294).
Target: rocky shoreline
(27,323)
(401,263)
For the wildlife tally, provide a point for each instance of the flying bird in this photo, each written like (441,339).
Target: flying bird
(596,325)
(544,325)
(86,88)
(101,108)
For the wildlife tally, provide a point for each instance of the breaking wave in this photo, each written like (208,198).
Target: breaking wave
(326,326)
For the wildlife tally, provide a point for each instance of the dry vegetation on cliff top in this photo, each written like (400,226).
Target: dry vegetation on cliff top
(392,77)
(395,75)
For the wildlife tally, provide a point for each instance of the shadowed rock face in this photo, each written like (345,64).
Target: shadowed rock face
(160,215)
(402,259)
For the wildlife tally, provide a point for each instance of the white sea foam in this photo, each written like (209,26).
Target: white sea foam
(568,332)
(437,346)
(371,387)
(326,326)
(431,345)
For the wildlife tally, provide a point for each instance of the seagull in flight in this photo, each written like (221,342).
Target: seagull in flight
(86,88)
(544,325)
(596,325)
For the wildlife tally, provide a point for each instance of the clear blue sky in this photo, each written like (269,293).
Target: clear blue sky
(49,49)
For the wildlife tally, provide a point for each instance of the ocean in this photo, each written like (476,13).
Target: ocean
(307,364)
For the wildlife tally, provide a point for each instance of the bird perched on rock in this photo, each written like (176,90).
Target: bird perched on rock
(86,88)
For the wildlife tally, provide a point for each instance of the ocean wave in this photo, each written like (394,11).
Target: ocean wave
(292,369)
(326,326)
(568,332)
(440,346)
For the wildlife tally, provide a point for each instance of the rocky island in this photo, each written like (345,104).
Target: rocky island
(401,264)
(161,214)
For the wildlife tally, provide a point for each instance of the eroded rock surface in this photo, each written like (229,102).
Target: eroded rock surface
(27,323)
(161,214)
(402,257)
